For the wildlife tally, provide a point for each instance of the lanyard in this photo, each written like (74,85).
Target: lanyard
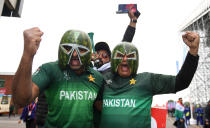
(30,107)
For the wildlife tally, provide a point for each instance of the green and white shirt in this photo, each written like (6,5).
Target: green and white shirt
(127,101)
(179,110)
(70,97)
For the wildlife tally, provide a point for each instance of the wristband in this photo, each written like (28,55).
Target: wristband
(133,20)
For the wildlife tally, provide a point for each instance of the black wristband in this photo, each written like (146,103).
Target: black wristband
(133,20)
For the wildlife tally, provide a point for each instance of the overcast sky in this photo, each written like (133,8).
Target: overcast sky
(156,34)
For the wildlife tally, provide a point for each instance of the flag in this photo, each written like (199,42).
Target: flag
(158,118)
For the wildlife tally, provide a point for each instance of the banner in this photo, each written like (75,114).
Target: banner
(4,103)
(2,91)
(158,118)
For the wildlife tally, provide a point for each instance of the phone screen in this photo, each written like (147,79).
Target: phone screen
(124,8)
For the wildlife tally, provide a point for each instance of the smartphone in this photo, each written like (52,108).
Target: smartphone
(124,8)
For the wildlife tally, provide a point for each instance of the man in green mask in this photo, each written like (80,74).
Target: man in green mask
(69,84)
(127,96)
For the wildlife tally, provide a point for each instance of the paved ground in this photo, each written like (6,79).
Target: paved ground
(12,122)
(170,121)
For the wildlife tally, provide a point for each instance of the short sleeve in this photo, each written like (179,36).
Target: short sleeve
(41,78)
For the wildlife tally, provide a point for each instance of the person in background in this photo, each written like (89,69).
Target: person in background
(41,111)
(187,114)
(28,115)
(207,115)
(199,114)
(11,109)
(179,112)
(102,56)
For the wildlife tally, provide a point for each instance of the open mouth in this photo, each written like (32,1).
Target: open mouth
(124,67)
(75,62)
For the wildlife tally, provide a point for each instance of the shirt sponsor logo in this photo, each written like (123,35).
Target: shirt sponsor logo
(77,95)
(119,103)
(109,81)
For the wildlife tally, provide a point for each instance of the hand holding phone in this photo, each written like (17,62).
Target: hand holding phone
(124,8)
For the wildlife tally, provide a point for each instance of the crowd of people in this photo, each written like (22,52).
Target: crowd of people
(183,114)
(103,90)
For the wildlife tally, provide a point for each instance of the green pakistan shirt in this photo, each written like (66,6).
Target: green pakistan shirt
(127,101)
(70,97)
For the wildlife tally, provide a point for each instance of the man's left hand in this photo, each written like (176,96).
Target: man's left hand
(192,40)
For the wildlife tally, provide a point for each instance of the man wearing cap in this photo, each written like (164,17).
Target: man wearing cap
(103,52)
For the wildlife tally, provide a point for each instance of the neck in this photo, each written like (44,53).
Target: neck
(79,71)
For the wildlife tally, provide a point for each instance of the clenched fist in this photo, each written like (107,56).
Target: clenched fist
(32,39)
(192,40)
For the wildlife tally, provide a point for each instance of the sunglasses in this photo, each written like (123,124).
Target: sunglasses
(103,55)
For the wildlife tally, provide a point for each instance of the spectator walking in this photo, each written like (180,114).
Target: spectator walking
(11,109)
(199,114)
(41,111)
(187,114)
(179,112)
(207,115)
(28,115)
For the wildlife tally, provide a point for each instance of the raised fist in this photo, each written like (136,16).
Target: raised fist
(192,40)
(32,39)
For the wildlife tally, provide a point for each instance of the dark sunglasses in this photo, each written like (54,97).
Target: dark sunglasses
(104,55)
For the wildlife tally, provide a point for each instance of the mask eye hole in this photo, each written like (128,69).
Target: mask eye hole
(67,48)
(82,50)
(119,55)
(131,55)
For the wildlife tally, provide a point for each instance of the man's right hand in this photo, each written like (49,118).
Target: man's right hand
(32,39)
(19,121)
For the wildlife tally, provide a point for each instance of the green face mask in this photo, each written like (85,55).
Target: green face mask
(120,51)
(78,41)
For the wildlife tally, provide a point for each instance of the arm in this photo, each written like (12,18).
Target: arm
(23,89)
(130,31)
(23,114)
(185,75)
(207,112)
(99,99)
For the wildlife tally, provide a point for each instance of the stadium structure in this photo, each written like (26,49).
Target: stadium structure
(199,22)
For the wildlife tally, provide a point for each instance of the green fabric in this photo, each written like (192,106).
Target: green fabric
(70,97)
(179,110)
(127,105)
(179,114)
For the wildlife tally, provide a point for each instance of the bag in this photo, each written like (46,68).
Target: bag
(175,123)
(27,117)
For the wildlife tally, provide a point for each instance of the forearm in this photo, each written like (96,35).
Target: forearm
(185,75)
(22,82)
(129,34)
(132,24)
